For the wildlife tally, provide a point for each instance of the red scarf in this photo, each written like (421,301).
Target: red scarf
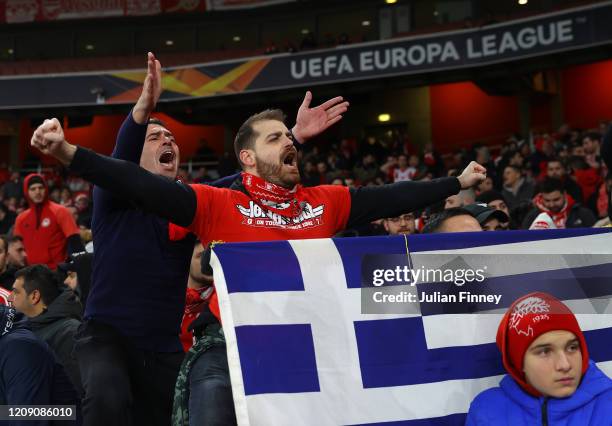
(195,298)
(559,218)
(272,197)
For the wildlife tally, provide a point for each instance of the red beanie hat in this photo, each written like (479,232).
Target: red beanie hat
(528,318)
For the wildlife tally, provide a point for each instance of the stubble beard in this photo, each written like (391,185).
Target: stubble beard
(272,173)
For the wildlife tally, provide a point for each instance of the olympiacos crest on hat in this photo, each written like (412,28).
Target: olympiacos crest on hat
(529,306)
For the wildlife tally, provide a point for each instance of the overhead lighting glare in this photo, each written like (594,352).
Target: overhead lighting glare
(383,118)
(169,42)
(236,38)
(89,47)
(366,23)
(522,2)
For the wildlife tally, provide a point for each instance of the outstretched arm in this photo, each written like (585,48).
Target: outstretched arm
(131,136)
(155,194)
(379,202)
(311,122)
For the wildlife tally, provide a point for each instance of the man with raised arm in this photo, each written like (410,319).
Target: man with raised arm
(128,347)
(265,203)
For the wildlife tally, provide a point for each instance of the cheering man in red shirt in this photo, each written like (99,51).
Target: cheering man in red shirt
(265,203)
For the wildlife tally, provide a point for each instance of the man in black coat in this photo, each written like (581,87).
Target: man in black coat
(53,315)
(30,374)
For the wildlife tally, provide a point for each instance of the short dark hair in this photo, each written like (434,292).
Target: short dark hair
(594,136)
(15,238)
(488,196)
(556,160)
(549,185)
(41,278)
(516,168)
(155,120)
(435,222)
(245,138)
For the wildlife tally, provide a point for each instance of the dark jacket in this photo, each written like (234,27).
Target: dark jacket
(139,274)
(578,217)
(57,327)
(524,193)
(30,374)
(7,278)
(573,189)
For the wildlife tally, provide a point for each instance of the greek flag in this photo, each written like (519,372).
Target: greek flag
(301,352)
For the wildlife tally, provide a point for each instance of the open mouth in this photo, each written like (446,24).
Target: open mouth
(290,159)
(167,158)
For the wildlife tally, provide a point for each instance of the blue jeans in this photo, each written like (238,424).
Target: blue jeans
(210,390)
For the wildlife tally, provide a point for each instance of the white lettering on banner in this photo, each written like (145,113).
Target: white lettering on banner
(313,67)
(507,43)
(449,52)
(526,38)
(488,45)
(345,65)
(565,31)
(417,54)
(365,62)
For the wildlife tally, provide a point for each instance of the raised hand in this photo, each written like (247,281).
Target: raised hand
(151,91)
(49,139)
(473,174)
(312,121)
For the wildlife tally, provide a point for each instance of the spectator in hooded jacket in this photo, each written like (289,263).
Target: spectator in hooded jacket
(48,229)
(30,374)
(551,380)
(53,315)
(563,210)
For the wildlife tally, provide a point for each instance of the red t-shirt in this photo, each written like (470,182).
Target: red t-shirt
(232,216)
(44,236)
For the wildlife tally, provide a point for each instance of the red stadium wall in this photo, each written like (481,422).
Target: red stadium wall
(587,94)
(100,135)
(541,113)
(462,114)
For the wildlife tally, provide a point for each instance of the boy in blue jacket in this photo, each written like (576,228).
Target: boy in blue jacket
(550,380)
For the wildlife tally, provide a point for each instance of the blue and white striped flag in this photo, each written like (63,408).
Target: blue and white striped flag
(301,352)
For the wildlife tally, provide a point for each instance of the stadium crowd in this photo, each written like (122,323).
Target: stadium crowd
(153,260)
(560,174)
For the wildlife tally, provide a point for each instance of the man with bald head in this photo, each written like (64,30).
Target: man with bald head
(455,219)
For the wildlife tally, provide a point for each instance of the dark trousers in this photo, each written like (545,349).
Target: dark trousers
(123,385)
(210,390)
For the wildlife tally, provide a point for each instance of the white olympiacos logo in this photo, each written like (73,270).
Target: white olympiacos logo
(254,215)
(531,305)
(45,222)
